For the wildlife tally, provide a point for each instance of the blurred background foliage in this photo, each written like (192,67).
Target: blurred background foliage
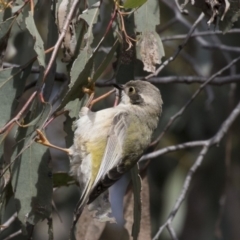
(211,209)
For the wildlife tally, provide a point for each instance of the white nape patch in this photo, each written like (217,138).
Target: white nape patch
(125,98)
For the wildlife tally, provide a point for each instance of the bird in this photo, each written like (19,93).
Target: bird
(109,142)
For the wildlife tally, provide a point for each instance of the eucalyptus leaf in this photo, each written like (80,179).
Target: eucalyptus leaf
(136,181)
(12,82)
(106,61)
(150,50)
(31,175)
(6,26)
(149,46)
(147,16)
(61,179)
(5,29)
(38,45)
(133,3)
(81,72)
(90,16)
(83,65)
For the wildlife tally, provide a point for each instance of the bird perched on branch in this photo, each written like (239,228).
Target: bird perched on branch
(109,142)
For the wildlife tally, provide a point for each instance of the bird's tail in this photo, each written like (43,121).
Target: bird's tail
(80,205)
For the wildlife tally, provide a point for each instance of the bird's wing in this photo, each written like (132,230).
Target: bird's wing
(110,170)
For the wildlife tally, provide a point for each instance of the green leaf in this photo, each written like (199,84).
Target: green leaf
(38,45)
(6,26)
(12,82)
(136,181)
(31,175)
(133,3)
(83,65)
(80,79)
(90,16)
(61,179)
(106,61)
(149,46)
(52,38)
(5,29)
(147,16)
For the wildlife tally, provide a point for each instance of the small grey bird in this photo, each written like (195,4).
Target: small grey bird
(109,142)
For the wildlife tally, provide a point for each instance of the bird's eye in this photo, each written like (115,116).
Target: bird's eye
(131,90)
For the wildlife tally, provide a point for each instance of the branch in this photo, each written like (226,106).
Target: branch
(13,235)
(172,58)
(198,34)
(172,149)
(194,79)
(172,232)
(184,191)
(20,113)
(61,37)
(8,222)
(206,145)
(222,47)
(180,112)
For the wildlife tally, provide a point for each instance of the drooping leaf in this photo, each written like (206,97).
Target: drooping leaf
(136,180)
(133,3)
(38,45)
(83,65)
(74,33)
(149,46)
(90,16)
(150,50)
(5,29)
(6,26)
(51,41)
(31,175)
(61,179)
(147,16)
(81,80)
(106,61)
(12,82)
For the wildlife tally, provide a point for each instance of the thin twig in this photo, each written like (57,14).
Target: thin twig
(20,113)
(222,47)
(13,235)
(172,58)
(172,232)
(182,19)
(184,190)
(172,149)
(198,34)
(194,79)
(61,37)
(206,145)
(8,222)
(181,10)
(180,112)
(165,26)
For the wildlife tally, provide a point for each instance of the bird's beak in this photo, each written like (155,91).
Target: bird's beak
(118,86)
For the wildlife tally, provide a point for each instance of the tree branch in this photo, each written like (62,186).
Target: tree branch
(172,58)
(180,112)
(198,34)
(206,145)
(194,79)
